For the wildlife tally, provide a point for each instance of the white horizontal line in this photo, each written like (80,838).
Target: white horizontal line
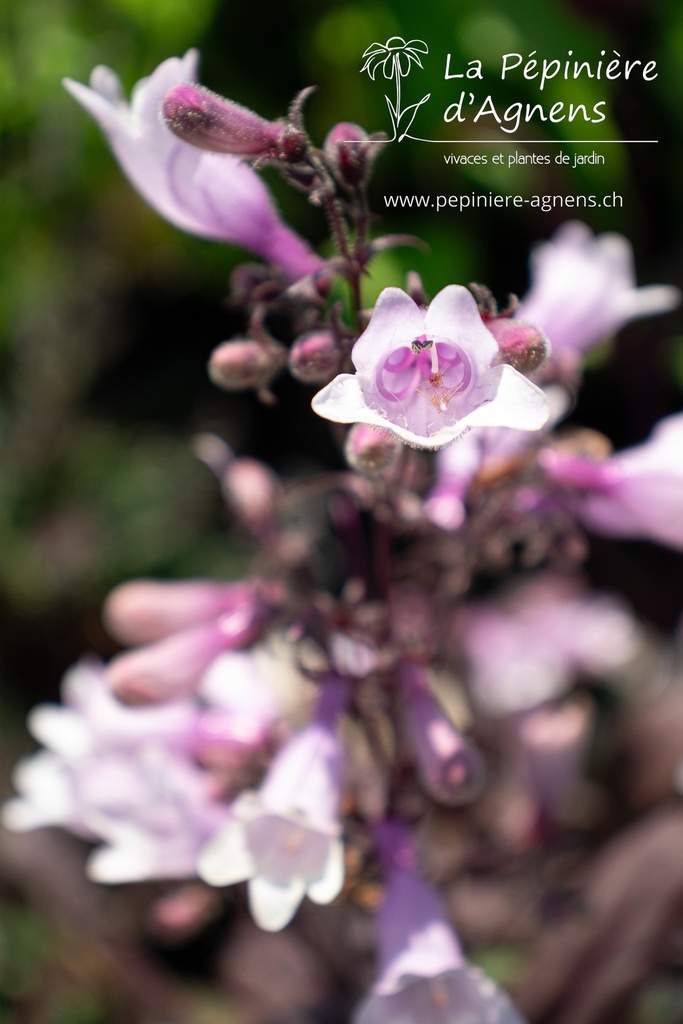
(534,142)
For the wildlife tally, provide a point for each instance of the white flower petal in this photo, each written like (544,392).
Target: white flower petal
(273,906)
(226,859)
(46,794)
(328,887)
(517,403)
(654,298)
(342,401)
(135,855)
(452,313)
(396,320)
(60,729)
(126,862)
(20,815)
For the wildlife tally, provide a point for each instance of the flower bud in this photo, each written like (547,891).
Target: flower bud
(521,345)
(250,488)
(314,358)
(348,150)
(143,611)
(242,363)
(553,743)
(371,450)
(450,769)
(172,667)
(208,121)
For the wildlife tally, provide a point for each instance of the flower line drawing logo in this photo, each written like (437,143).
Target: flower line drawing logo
(395,58)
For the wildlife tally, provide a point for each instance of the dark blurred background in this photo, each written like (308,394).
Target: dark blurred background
(108,314)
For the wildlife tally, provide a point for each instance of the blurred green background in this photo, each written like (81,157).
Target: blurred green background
(108,314)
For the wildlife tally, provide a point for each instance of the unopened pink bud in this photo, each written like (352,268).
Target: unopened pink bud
(450,768)
(167,669)
(180,914)
(371,450)
(173,666)
(211,122)
(521,345)
(347,148)
(250,487)
(240,364)
(143,611)
(314,358)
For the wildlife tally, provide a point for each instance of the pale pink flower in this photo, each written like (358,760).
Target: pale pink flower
(636,493)
(213,195)
(91,720)
(529,648)
(46,797)
(285,839)
(583,289)
(423,975)
(429,375)
(154,812)
(122,777)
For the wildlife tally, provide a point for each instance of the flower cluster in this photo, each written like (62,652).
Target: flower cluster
(300,729)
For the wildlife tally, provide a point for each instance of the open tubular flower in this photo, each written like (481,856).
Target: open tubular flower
(285,839)
(583,289)
(428,375)
(635,493)
(213,195)
(529,648)
(126,778)
(423,977)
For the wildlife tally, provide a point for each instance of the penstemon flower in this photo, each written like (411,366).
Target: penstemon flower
(181,628)
(429,375)
(528,649)
(181,756)
(213,195)
(449,768)
(286,839)
(123,777)
(583,289)
(635,493)
(423,974)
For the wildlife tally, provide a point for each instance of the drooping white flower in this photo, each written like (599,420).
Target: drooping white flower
(285,839)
